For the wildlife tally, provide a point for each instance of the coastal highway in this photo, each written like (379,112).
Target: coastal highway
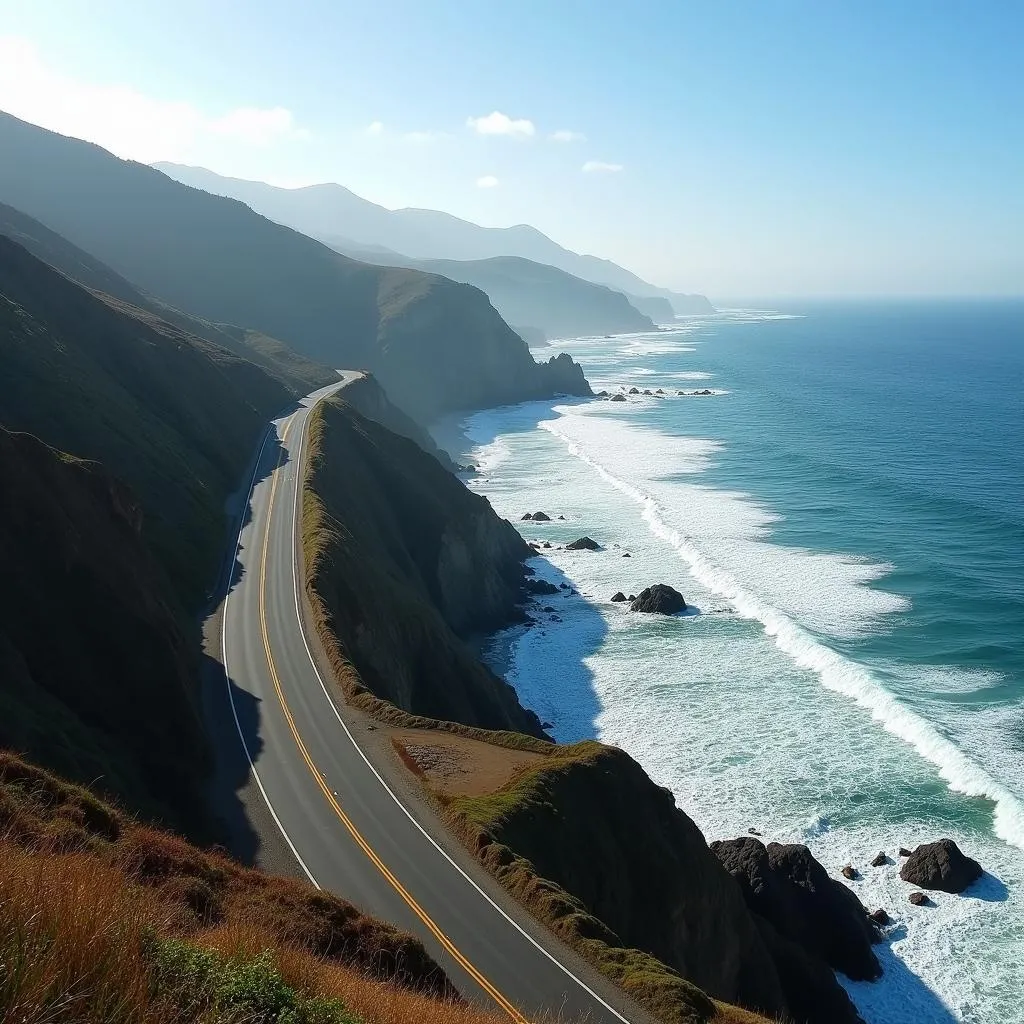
(345,826)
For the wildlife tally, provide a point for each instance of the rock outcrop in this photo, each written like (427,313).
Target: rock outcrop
(788,888)
(618,597)
(660,599)
(583,544)
(940,865)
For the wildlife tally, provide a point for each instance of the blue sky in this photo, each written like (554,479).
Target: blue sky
(756,148)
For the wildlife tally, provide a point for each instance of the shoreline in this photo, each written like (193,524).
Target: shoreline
(876,999)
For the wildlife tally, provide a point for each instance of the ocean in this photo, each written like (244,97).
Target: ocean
(845,515)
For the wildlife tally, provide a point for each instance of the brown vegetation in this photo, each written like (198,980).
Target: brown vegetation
(91,903)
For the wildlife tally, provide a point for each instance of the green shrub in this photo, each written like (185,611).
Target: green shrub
(232,989)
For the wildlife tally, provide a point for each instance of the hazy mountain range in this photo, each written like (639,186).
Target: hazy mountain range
(349,223)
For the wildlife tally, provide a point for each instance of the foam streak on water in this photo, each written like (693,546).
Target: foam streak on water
(836,672)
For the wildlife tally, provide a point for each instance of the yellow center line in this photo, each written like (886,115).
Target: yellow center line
(336,807)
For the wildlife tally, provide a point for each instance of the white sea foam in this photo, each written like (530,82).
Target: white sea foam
(836,672)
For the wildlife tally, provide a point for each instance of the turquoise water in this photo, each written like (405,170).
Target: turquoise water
(846,514)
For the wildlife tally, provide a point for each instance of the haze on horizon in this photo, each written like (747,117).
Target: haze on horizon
(786,149)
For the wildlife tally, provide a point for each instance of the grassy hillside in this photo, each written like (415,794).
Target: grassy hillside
(171,415)
(435,345)
(97,676)
(297,373)
(400,559)
(105,922)
(524,292)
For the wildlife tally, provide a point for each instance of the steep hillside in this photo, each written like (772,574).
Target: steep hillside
(602,854)
(435,345)
(400,559)
(172,416)
(97,676)
(334,212)
(102,920)
(523,292)
(295,372)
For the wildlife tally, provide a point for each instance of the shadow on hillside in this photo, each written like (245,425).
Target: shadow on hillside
(274,454)
(232,792)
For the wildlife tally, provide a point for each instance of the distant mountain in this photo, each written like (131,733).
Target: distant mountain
(524,292)
(333,212)
(436,346)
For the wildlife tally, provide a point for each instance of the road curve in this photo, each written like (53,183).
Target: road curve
(346,828)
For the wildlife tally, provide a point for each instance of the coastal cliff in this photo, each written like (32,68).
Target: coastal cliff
(603,855)
(401,561)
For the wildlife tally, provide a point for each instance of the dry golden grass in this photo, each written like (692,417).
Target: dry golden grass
(85,892)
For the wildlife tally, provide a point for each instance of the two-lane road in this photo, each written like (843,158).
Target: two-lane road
(348,830)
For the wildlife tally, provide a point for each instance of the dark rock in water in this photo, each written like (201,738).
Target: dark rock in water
(660,599)
(647,391)
(634,391)
(627,555)
(879,859)
(583,544)
(753,831)
(529,515)
(541,517)
(539,587)
(547,725)
(632,597)
(546,544)
(601,394)
(849,871)
(941,866)
(556,618)
(659,392)
(618,398)
(562,518)
(547,608)
(919,899)
(904,852)
(527,571)
(880,917)
(793,892)
(618,596)
(680,392)
(706,391)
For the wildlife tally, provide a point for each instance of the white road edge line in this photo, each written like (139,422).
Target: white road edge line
(224,657)
(297,461)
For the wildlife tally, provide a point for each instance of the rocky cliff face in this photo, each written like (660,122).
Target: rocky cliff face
(400,560)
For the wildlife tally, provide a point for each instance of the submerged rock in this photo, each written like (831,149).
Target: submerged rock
(940,865)
(793,892)
(661,599)
(583,544)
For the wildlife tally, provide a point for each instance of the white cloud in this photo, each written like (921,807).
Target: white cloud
(600,167)
(487,181)
(564,135)
(498,123)
(122,119)
(375,128)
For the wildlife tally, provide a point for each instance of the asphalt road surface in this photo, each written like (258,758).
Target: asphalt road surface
(347,829)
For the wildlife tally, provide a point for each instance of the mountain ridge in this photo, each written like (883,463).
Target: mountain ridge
(328,210)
